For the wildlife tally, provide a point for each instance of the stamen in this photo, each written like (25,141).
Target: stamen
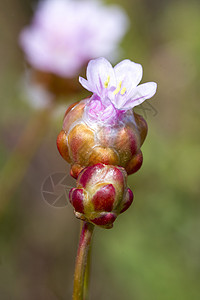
(107,82)
(123,91)
(118,88)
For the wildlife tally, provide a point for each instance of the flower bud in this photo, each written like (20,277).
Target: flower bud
(83,144)
(101,194)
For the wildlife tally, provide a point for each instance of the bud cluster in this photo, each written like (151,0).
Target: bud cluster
(101,157)
(82,145)
(101,139)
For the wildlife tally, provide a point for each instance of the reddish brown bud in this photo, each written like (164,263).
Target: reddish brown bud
(83,145)
(142,127)
(62,146)
(135,163)
(101,194)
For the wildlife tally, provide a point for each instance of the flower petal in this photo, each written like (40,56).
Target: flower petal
(100,76)
(140,94)
(129,73)
(85,84)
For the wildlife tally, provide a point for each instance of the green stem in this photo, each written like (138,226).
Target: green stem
(82,260)
(87,269)
(87,275)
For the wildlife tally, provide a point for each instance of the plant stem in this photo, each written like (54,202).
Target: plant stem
(87,275)
(87,269)
(82,260)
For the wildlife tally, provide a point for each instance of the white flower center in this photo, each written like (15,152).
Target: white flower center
(118,89)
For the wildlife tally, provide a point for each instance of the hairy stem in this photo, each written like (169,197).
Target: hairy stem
(82,261)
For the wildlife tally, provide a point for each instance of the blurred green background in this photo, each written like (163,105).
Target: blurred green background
(153,250)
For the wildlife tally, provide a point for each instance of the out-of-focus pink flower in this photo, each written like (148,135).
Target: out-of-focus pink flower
(66,34)
(118,84)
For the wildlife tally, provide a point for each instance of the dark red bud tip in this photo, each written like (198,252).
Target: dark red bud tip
(76,197)
(135,164)
(128,201)
(87,173)
(104,198)
(106,220)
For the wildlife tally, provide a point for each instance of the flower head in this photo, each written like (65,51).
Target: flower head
(101,194)
(83,145)
(66,34)
(119,85)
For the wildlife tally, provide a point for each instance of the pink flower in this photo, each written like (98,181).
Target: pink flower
(119,85)
(66,34)
(103,111)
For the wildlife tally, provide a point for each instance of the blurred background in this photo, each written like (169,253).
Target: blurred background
(153,250)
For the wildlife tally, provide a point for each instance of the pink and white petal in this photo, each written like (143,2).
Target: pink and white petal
(117,100)
(86,84)
(129,73)
(100,71)
(140,94)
